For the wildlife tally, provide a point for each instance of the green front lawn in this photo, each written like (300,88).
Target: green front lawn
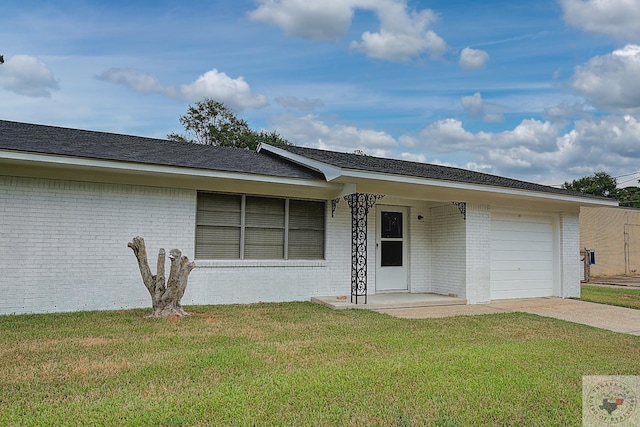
(624,297)
(300,364)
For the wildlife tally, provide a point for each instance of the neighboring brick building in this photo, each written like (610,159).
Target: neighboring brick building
(282,224)
(613,233)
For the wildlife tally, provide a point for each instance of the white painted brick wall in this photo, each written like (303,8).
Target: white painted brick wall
(64,243)
(420,257)
(569,255)
(448,249)
(64,247)
(338,251)
(478,255)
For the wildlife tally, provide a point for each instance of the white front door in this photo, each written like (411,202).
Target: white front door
(391,249)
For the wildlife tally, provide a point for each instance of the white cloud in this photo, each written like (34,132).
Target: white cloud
(213,84)
(408,141)
(133,79)
(217,85)
(311,131)
(412,157)
(447,135)
(564,110)
(531,133)
(474,104)
(611,81)
(617,18)
(473,59)
(27,75)
(539,151)
(493,118)
(616,135)
(403,34)
(324,20)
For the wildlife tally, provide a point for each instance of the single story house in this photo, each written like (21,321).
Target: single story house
(284,223)
(613,234)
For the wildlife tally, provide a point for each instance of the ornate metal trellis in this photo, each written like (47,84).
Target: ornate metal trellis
(462,207)
(360,203)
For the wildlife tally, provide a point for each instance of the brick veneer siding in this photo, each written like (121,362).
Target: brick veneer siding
(64,243)
(478,255)
(419,250)
(569,255)
(64,246)
(448,239)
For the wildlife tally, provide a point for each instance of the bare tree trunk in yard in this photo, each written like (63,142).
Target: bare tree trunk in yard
(165,298)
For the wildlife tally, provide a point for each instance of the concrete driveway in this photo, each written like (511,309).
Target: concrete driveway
(617,319)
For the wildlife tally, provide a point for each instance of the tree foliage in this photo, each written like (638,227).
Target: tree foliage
(211,122)
(1,59)
(629,197)
(603,184)
(600,184)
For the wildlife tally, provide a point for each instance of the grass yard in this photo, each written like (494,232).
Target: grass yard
(624,297)
(300,364)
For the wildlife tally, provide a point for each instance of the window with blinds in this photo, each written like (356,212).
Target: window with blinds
(306,230)
(218,226)
(264,228)
(230,226)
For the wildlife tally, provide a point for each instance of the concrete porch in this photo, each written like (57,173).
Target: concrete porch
(389,300)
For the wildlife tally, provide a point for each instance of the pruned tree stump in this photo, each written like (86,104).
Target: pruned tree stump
(165,297)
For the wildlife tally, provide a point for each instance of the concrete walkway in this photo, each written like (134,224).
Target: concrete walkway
(617,319)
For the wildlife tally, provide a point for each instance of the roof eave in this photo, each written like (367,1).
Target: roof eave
(351,175)
(54,160)
(330,172)
(344,175)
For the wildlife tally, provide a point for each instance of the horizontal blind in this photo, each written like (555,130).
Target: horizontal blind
(264,228)
(223,220)
(218,224)
(306,229)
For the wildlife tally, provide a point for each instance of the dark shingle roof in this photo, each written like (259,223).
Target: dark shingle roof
(109,146)
(421,170)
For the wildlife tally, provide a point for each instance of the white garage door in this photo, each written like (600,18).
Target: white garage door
(521,256)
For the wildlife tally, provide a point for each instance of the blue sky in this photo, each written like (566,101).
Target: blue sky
(544,91)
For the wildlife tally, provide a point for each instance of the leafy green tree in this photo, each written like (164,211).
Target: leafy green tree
(629,197)
(600,184)
(1,59)
(211,122)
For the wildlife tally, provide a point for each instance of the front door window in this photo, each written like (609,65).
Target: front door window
(391,239)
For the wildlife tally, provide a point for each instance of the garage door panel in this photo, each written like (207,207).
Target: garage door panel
(518,276)
(524,235)
(519,293)
(539,254)
(507,265)
(521,256)
(520,287)
(516,226)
